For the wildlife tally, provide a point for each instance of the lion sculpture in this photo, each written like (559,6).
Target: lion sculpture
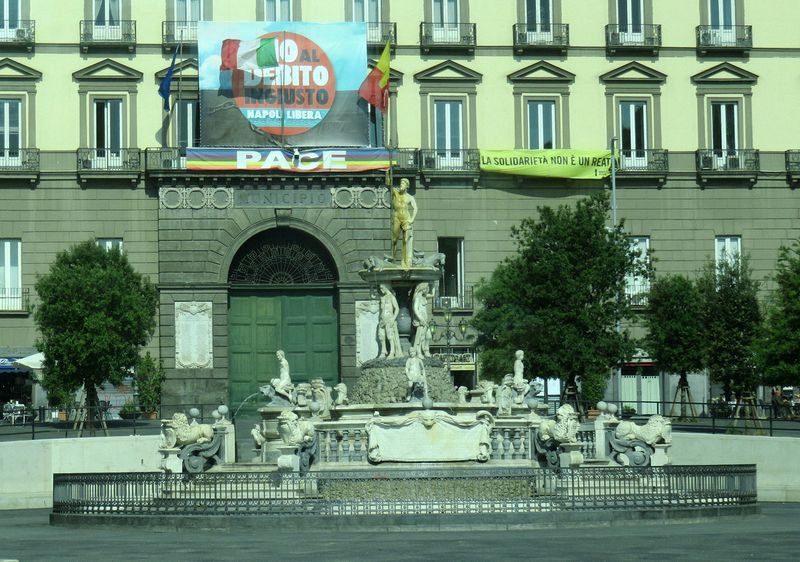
(563,429)
(658,429)
(178,432)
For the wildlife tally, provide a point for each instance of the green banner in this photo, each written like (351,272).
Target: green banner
(555,163)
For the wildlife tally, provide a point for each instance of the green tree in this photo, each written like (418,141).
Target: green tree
(95,315)
(731,319)
(779,345)
(675,329)
(560,298)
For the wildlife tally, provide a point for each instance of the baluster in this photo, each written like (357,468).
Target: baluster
(526,451)
(346,446)
(334,455)
(495,444)
(322,436)
(516,452)
(506,445)
(357,446)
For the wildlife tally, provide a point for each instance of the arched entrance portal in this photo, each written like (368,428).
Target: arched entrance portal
(282,296)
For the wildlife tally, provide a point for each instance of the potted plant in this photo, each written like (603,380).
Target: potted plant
(628,411)
(149,376)
(129,411)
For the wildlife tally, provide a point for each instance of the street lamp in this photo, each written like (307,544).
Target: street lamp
(449,333)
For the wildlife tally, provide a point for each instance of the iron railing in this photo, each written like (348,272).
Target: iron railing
(14,299)
(109,160)
(643,160)
(406,159)
(464,160)
(641,36)
(793,160)
(19,160)
(379,32)
(462,301)
(728,160)
(165,158)
(637,294)
(447,35)
(724,37)
(21,32)
(174,33)
(541,35)
(122,32)
(404,492)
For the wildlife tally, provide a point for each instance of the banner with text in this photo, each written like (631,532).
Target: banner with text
(282,83)
(329,160)
(555,163)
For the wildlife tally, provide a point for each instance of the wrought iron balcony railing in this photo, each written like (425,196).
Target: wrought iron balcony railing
(467,160)
(531,36)
(643,161)
(14,299)
(630,36)
(177,32)
(447,35)
(19,160)
(121,33)
(637,294)
(793,161)
(738,160)
(406,159)
(462,301)
(710,37)
(165,158)
(379,32)
(109,160)
(21,32)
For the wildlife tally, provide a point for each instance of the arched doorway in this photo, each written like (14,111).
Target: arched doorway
(282,296)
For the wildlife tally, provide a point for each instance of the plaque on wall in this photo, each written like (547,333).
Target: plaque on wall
(193,335)
(367,346)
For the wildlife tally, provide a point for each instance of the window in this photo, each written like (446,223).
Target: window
(448,140)
(722,17)
(10,111)
(725,133)
(109,244)
(541,124)
(9,19)
(727,249)
(107,133)
(452,290)
(10,275)
(633,133)
(445,21)
(187,14)
(369,11)
(630,17)
(637,287)
(107,20)
(539,20)
(188,123)
(278,10)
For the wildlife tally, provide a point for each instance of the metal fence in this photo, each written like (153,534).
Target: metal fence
(404,492)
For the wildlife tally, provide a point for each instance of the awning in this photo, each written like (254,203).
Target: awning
(30,362)
(9,365)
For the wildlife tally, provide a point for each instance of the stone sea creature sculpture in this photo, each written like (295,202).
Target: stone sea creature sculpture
(341,395)
(293,430)
(658,429)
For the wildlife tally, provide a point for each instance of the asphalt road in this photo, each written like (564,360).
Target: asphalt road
(773,535)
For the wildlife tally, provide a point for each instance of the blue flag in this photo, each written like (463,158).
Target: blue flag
(163,89)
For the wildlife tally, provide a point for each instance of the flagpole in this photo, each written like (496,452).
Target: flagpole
(387,135)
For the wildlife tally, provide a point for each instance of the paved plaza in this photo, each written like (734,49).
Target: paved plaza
(773,535)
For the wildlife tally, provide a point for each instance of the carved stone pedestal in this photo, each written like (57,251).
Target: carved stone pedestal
(659,457)
(571,456)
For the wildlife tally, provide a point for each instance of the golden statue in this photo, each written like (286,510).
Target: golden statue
(404,208)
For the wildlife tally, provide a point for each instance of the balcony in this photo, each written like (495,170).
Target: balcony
(14,300)
(447,36)
(743,164)
(463,301)
(541,37)
(642,38)
(465,161)
(726,39)
(21,163)
(793,166)
(165,159)
(18,35)
(644,164)
(105,163)
(406,160)
(121,34)
(637,294)
(174,33)
(379,32)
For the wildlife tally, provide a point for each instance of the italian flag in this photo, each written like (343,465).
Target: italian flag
(249,55)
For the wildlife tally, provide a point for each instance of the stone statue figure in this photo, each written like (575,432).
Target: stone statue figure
(415,374)
(419,305)
(283,384)
(387,324)
(404,209)
(520,384)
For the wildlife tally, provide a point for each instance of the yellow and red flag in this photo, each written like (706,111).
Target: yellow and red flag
(375,88)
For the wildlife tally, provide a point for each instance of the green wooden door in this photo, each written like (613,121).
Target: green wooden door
(303,324)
